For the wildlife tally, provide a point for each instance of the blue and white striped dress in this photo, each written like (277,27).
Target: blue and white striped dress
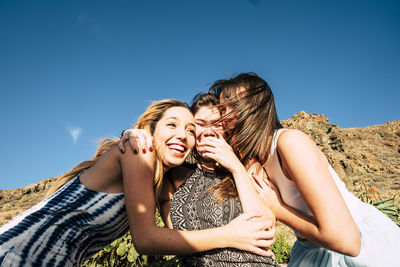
(64,229)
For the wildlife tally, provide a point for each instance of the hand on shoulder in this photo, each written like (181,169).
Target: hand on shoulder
(131,158)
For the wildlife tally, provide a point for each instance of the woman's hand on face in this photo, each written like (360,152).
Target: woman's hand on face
(268,192)
(139,139)
(220,151)
(247,232)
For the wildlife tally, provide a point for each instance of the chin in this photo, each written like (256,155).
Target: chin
(174,163)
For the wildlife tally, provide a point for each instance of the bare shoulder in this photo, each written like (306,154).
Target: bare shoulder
(297,146)
(105,174)
(294,138)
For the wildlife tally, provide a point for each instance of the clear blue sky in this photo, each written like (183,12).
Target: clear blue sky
(74,71)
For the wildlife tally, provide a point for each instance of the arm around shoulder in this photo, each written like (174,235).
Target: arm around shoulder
(137,170)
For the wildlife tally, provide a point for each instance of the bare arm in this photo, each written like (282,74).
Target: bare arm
(137,172)
(332,225)
(164,201)
(218,150)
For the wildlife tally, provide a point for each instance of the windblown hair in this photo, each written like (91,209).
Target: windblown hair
(226,188)
(148,121)
(203,100)
(257,120)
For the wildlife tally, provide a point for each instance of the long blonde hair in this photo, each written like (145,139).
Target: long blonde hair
(147,121)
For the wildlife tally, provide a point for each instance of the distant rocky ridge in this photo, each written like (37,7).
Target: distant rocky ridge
(370,154)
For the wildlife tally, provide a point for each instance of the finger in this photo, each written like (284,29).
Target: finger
(121,143)
(265,235)
(261,252)
(208,155)
(248,215)
(149,141)
(270,225)
(207,142)
(257,187)
(133,144)
(141,142)
(264,183)
(214,141)
(205,148)
(258,180)
(265,226)
(262,243)
(215,138)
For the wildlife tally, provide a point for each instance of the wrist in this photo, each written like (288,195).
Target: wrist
(277,211)
(222,237)
(238,170)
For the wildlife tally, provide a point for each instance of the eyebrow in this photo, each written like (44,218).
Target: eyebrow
(207,120)
(176,118)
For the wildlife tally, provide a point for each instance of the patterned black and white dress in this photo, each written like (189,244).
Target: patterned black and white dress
(192,208)
(64,229)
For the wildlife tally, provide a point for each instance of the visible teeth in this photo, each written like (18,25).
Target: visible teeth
(177,147)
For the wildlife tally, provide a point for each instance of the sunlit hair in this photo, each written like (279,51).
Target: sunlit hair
(257,119)
(226,188)
(148,121)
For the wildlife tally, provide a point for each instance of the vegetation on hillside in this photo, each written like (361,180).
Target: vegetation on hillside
(122,252)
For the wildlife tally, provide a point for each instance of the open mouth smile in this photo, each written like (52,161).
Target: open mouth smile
(178,148)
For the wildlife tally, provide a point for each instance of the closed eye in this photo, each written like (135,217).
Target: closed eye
(191,131)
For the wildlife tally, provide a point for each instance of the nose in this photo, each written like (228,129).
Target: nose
(209,131)
(181,133)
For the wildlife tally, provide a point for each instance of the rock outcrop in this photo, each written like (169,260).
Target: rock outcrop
(370,154)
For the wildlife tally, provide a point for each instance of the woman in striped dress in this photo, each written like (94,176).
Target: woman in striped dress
(101,199)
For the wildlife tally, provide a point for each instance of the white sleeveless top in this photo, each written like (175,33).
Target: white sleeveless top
(288,190)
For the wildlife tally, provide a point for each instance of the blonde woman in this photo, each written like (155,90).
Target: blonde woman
(101,199)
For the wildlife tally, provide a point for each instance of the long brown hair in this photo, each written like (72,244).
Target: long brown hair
(257,119)
(147,121)
(226,187)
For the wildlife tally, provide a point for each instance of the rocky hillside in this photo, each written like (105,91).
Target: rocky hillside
(370,154)
(15,201)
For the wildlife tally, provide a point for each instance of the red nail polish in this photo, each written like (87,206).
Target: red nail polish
(151,149)
(144,151)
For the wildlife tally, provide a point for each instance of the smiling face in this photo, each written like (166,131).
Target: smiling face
(174,136)
(206,118)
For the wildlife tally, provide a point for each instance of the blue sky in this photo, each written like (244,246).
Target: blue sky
(74,71)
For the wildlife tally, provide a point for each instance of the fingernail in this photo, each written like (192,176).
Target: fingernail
(151,149)
(135,151)
(144,151)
